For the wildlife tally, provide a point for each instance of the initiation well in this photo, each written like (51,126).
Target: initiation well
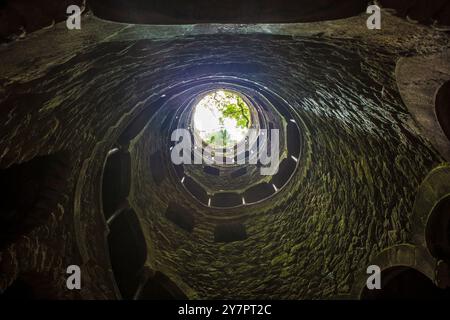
(95,116)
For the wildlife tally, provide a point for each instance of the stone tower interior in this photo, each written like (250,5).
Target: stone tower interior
(87,176)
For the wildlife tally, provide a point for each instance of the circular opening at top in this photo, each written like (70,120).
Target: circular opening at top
(222,119)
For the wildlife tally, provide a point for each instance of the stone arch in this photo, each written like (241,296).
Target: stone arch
(427,210)
(422,83)
(406,256)
(116,180)
(127,251)
(437,232)
(405,283)
(226,199)
(442,105)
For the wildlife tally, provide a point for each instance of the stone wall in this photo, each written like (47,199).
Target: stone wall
(352,198)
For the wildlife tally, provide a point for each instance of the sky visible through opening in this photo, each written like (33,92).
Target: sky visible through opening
(222,118)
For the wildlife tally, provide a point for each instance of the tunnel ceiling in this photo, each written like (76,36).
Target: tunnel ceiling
(218,11)
(18,18)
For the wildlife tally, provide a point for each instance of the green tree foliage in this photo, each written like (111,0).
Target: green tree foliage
(238,111)
(232,106)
